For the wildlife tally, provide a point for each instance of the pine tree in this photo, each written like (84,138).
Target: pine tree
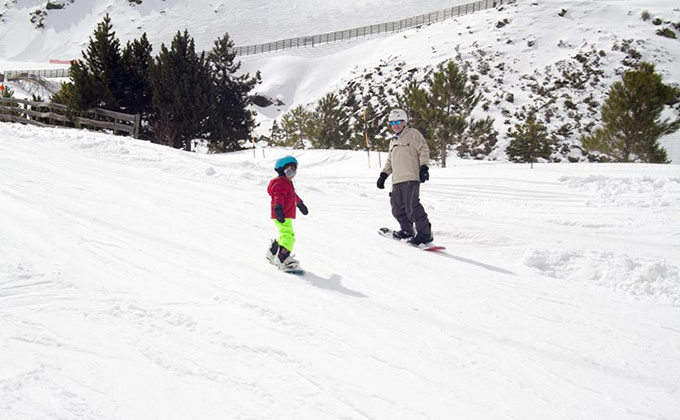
(276,135)
(137,60)
(631,117)
(330,125)
(182,92)
(442,112)
(416,102)
(6,93)
(64,95)
(370,123)
(99,78)
(453,98)
(230,117)
(297,127)
(529,142)
(480,139)
(107,77)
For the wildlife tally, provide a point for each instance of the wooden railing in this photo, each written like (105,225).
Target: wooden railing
(47,114)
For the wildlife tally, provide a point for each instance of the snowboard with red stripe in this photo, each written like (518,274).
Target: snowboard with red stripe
(388,233)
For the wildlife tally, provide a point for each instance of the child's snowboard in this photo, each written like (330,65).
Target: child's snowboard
(295,271)
(273,260)
(388,233)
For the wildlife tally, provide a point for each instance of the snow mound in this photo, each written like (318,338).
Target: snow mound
(645,191)
(657,279)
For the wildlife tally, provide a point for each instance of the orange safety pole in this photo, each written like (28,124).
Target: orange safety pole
(253,132)
(368,145)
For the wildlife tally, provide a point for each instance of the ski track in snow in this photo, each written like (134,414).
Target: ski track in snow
(133,284)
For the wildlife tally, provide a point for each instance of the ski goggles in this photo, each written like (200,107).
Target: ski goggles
(393,123)
(290,172)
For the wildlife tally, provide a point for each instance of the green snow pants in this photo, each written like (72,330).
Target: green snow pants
(286,234)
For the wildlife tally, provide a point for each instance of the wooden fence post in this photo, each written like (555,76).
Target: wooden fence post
(137,122)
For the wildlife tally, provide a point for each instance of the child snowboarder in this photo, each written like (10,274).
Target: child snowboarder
(283,204)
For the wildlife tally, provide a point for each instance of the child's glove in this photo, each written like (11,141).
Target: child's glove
(278,211)
(381,180)
(303,209)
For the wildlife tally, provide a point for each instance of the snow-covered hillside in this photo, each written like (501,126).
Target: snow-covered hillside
(65,31)
(559,57)
(133,285)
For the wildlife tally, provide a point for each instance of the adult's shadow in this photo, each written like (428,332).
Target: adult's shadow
(332,283)
(477,263)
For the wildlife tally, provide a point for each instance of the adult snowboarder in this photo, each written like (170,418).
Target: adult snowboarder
(283,203)
(407,163)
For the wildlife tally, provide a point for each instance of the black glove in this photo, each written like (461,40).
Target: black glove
(303,209)
(278,211)
(381,180)
(424,173)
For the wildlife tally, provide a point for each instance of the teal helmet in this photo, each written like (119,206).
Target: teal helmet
(281,163)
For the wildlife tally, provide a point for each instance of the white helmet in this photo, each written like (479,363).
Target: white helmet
(398,114)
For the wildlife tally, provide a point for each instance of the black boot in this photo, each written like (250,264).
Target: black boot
(421,239)
(401,234)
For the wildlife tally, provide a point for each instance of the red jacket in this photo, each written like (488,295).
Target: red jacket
(282,192)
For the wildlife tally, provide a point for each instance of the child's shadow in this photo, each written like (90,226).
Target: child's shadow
(332,283)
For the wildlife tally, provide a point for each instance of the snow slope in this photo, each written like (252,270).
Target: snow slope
(67,30)
(133,285)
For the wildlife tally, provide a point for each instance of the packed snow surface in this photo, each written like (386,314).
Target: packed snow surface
(133,285)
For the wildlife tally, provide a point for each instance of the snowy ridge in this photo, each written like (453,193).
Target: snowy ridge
(133,285)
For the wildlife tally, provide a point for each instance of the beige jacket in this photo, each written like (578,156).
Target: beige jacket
(407,152)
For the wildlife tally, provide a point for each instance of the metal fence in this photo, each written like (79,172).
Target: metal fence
(35,80)
(388,27)
(48,74)
(321,39)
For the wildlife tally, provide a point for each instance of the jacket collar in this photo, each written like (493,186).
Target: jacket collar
(284,178)
(401,132)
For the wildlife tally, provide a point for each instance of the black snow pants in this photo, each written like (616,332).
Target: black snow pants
(406,208)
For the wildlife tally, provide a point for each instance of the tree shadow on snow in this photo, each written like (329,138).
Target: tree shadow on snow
(477,263)
(332,283)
